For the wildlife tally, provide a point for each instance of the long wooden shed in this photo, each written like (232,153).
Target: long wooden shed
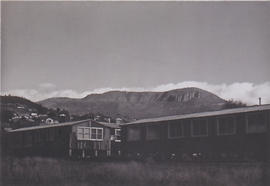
(86,138)
(232,134)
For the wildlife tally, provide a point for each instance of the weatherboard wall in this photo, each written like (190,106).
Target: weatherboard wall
(239,145)
(41,142)
(91,145)
(57,140)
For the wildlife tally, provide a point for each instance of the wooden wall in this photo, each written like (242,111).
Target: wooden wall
(239,146)
(59,141)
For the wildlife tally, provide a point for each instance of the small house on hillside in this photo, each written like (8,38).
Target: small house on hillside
(34,114)
(49,121)
(118,120)
(80,139)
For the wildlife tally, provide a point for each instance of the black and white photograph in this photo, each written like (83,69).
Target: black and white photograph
(135,93)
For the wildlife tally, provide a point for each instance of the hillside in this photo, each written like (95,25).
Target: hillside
(17,108)
(138,105)
(17,112)
(20,105)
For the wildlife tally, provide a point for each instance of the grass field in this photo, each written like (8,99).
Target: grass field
(53,172)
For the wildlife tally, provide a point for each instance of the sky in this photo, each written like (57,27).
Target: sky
(73,49)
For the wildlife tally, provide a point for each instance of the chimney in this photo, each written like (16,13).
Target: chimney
(260,100)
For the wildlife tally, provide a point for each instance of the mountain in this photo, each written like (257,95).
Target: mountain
(138,105)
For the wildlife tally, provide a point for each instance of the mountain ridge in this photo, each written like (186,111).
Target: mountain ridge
(140,105)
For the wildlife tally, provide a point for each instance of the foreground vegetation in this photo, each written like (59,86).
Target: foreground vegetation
(41,171)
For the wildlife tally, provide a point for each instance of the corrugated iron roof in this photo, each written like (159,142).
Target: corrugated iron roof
(110,125)
(203,114)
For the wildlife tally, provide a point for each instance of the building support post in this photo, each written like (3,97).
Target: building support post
(70,152)
(108,153)
(83,154)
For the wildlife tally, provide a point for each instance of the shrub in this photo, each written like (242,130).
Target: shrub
(41,171)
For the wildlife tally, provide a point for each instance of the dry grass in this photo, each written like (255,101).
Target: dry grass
(52,172)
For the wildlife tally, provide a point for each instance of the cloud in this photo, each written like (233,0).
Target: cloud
(245,91)
(47,86)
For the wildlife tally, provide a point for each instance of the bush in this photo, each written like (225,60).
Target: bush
(233,104)
(41,171)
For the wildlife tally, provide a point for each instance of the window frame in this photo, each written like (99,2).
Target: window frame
(247,123)
(115,133)
(192,127)
(90,133)
(96,128)
(218,126)
(77,133)
(182,130)
(140,134)
(147,132)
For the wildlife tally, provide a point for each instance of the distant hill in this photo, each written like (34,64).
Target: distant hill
(13,106)
(21,105)
(17,112)
(138,105)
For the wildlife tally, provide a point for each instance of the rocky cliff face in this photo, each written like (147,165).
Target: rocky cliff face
(183,95)
(140,105)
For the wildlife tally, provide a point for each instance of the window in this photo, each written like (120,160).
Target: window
(152,133)
(199,128)
(83,133)
(89,133)
(80,133)
(226,126)
(176,129)
(117,135)
(256,123)
(96,133)
(134,133)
